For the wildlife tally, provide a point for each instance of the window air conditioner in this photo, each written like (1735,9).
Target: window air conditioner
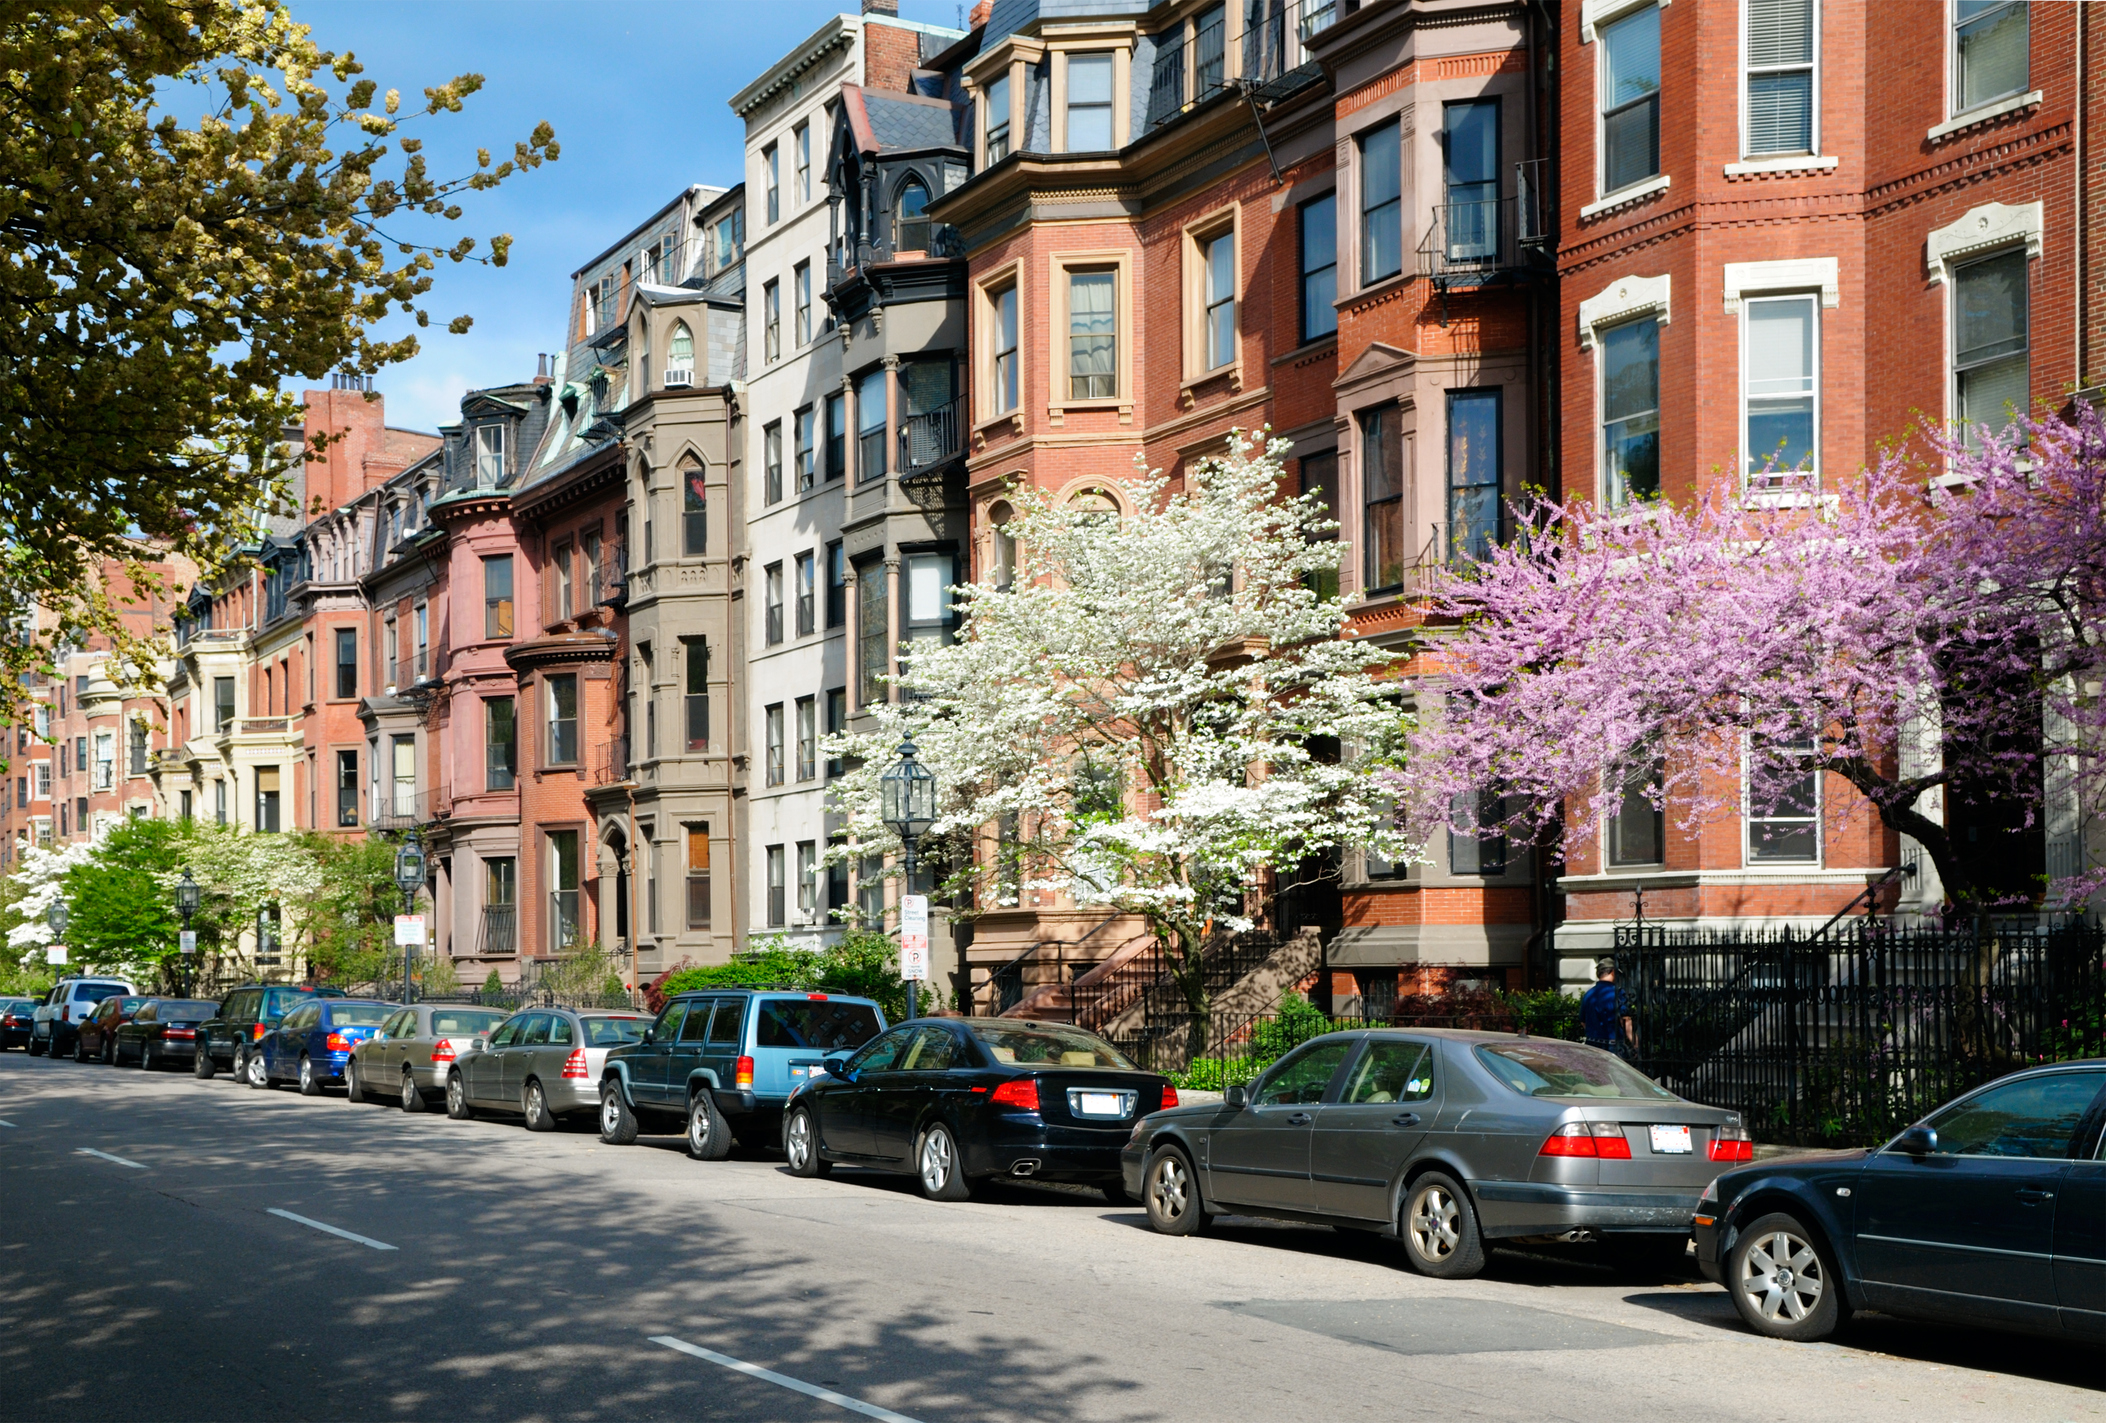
(677,377)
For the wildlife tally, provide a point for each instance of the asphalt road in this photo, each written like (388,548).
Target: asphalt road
(181,1274)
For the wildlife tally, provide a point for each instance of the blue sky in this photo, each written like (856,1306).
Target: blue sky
(639,97)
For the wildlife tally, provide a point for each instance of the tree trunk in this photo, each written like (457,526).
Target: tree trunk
(1184,949)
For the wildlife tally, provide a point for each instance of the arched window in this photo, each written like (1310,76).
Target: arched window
(1095,504)
(910,232)
(680,355)
(1003,559)
(694,512)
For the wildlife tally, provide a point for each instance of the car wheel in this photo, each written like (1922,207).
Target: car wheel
(412,1095)
(538,1116)
(1440,1229)
(34,1047)
(1782,1282)
(1170,1191)
(109,1051)
(800,1142)
(146,1058)
(310,1083)
(617,1122)
(352,1091)
(201,1064)
(259,1072)
(80,1048)
(457,1099)
(942,1167)
(708,1138)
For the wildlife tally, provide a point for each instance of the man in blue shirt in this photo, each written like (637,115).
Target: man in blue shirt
(1605,1013)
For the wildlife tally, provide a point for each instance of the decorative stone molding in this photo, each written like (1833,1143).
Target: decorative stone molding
(1624,197)
(1794,274)
(1982,115)
(1619,301)
(1789,163)
(1595,13)
(1982,229)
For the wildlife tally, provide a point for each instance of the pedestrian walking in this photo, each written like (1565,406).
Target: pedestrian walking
(1605,1013)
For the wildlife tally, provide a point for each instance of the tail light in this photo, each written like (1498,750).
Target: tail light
(1169,1095)
(816,997)
(444,1051)
(1599,1139)
(742,1073)
(257,1030)
(185,1033)
(1018,1092)
(1731,1143)
(574,1065)
(337,1042)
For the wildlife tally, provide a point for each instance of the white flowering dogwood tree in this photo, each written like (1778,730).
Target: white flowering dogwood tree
(1154,713)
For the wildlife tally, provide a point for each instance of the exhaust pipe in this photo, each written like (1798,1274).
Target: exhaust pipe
(1026,1167)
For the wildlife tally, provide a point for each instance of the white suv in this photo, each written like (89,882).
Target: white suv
(59,1016)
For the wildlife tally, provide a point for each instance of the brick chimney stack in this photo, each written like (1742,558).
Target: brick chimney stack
(881,7)
(981,13)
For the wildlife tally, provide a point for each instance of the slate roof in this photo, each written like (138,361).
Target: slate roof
(895,122)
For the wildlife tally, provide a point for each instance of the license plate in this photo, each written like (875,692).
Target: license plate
(1099,1104)
(1670,1141)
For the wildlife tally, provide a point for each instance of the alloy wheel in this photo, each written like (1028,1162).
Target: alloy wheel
(610,1113)
(259,1075)
(411,1099)
(937,1162)
(797,1140)
(1435,1224)
(1171,1188)
(1781,1277)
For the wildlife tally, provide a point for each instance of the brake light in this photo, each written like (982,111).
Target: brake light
(257,1030)
(816,997)
(574,1065)
(1169,1095)
(444,1051)
(337,1042)
(742,1072)
(1602,1139)
(1731,1143)
(179,1032)
(1018,1092)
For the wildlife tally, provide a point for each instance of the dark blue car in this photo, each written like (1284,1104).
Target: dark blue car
(312,1043)
(1990,1211)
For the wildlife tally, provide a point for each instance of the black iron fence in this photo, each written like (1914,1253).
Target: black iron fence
(1846,1037)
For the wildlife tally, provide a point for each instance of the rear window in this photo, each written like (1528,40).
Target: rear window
(469,1023)
(816,1025)
(95,992)
(277,1002)
(359,1015)
(608,1032)
(1560,1069)
(187,1012)
(1048,1045)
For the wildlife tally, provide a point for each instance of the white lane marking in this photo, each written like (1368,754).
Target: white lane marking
(824,1395)
(330,1229)
(91,1151)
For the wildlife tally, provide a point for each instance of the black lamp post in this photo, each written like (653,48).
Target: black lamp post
(186,898)
(56,918)
(409,878)
(909,798)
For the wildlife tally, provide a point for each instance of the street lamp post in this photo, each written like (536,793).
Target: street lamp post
(409,878)
(909,798)
(186,898)
(56,918)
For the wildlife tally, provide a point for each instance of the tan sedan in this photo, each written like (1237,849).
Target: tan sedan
(543,1063)
(409,1057)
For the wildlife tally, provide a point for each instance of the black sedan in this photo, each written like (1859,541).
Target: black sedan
(952,1100)
(17,1017)
(1990,1211)
(164,1032)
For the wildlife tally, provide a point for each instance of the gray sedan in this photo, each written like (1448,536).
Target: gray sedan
(1447,1139)
(543,1063)
(408,1058)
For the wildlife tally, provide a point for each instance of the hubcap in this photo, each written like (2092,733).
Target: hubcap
(610,1113)
(1435,1224)
(936,1160)
(306,1073)
(409,1088)
(800,1140)
(698,1123)
(1171,1188)
(455,1097)
(534,1101)
(1781,1276)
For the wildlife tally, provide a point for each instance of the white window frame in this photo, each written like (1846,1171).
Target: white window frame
(1748,819)
(2019,98)
(801,277)
(1981,232)
(1625,299)
(1813,135)
(1816,277)
(801,169)
(1594,16)
(1809,477)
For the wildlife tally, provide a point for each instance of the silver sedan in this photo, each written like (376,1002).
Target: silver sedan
(408,1059)
(543,1063)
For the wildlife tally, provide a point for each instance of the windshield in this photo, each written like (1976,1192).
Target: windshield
(1041,1045)
(814,1024)
(1545,1068)
(606,1032)
(467,1022)
(359,1015)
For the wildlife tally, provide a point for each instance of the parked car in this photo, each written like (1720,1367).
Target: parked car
(245,1015)
(410,1054)
(96,1035)
(56,1022)
(164,1031)
(955,1100)
(1449,1139)
(313,1042)
(16,1017)
(724,1062)
(1989,1212)
(543,1063)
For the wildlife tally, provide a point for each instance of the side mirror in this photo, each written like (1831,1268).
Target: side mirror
(1236,1095)
(1917,1141)
(650,1034)
(837,1066)
(477,1044)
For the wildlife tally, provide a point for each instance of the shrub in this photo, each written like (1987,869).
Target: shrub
(493,984)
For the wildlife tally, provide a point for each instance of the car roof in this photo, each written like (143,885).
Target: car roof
(784,991)
(357,1002)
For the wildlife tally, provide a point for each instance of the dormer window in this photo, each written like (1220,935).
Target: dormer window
(489,456)
(910,232)
(997,100)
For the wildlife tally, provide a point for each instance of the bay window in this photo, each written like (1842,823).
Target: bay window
(1780,361)
(1630,99)
(1630,410)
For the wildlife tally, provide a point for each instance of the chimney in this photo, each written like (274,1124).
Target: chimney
(881,7)
(541,375)
(980,15)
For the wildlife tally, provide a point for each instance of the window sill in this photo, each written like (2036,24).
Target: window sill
(1960,122)
(1322,344)
(1189,387)
(1056,414)
(1788,163)
(1624,197)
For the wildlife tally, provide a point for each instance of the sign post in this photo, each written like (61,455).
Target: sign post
(913,944)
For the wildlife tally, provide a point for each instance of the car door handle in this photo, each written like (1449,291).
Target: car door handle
(2033,1195)
(1409,1119)
(1300,1119)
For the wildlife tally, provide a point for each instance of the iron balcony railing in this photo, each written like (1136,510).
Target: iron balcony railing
(1479,237)
(1276,42)
(402,807)
(932,438)
(611,766)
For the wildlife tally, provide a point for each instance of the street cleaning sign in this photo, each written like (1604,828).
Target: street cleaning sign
(914,938)
(409,929)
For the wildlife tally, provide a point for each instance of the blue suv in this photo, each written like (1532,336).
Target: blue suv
(312,1042)
(724,1062)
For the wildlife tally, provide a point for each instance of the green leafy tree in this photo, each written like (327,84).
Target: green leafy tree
(122,914)
(350,921)
(193,209)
